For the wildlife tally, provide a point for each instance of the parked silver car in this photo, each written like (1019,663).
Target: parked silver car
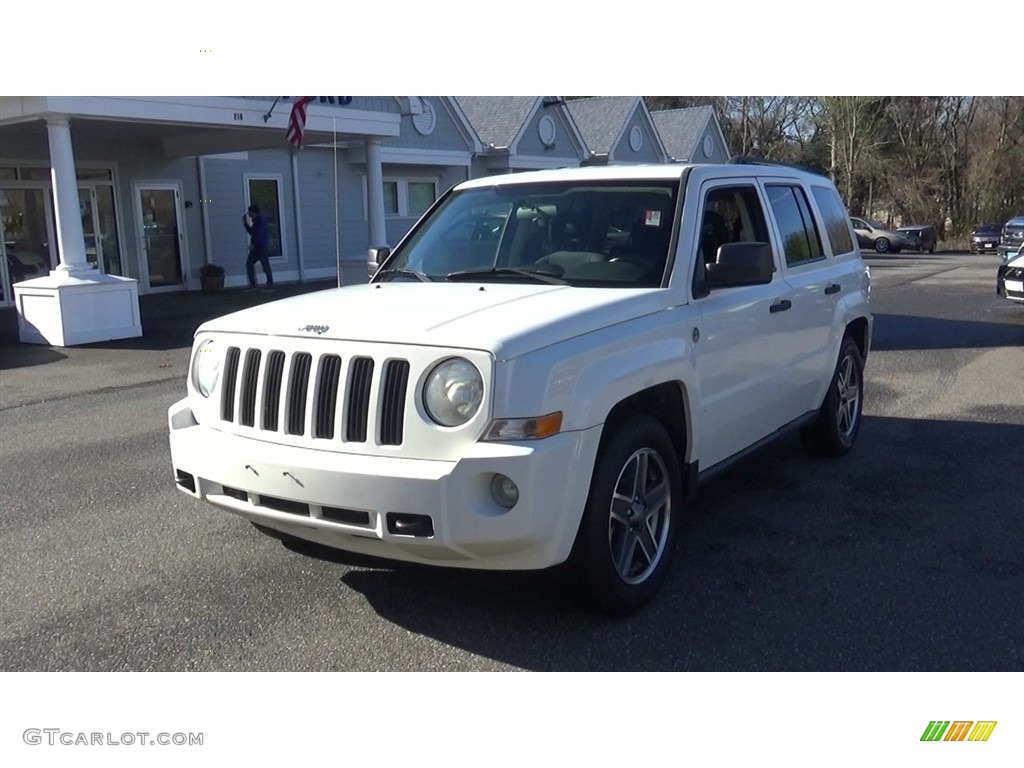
(874,236)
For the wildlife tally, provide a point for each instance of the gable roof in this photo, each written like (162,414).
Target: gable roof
(681,129)
(497,120)
(600,119)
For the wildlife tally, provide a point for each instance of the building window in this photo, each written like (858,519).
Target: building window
(391,198)
(407,198)
(265,192)
(421,196)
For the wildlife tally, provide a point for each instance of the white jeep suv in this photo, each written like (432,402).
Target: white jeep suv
(543,371)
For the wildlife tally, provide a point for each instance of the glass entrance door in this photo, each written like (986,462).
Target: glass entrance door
(106,230)
(29,236)
(160,228)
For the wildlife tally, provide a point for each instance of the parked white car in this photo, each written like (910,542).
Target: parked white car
(551,392)
(1010,277)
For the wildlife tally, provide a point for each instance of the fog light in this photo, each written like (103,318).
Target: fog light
(504,491)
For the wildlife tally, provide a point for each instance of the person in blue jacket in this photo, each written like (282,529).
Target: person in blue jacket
(259,246)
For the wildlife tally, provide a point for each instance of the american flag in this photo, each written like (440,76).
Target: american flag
(297,121)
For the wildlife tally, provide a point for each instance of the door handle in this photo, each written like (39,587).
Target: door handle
(780,306)
(833,288)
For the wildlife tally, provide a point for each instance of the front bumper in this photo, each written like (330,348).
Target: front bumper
(349,501)
(1010,283)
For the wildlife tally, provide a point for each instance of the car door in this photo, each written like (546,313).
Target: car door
(744,339)
(808,270)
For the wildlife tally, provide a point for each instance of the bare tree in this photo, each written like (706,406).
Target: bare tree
(855,130)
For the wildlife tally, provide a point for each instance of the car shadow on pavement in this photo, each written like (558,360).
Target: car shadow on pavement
(910,332)
(785,562)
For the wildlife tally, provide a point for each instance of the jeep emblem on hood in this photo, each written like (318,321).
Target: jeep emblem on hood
(317,329)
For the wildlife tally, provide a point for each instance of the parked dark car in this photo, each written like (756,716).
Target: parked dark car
(921,237)
(985,237)
(1012,237)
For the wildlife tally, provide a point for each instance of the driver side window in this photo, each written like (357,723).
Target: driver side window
(730,214)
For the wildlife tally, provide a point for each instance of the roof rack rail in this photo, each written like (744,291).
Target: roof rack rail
(747,160)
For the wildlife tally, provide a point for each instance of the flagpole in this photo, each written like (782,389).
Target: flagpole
(270,111)
(337,224)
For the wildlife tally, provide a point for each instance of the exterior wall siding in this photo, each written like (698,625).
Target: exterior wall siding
(565,147)
(720,153)
(446,136)
(623,152)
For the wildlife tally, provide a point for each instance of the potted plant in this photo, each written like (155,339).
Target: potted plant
(211,277)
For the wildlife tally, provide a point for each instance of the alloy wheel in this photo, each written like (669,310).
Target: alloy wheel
(848,385)
(639,516)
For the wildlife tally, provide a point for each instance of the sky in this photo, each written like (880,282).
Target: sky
(193,47)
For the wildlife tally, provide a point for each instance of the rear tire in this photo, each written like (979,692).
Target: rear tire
(882,245)
(835,431)
(627,536)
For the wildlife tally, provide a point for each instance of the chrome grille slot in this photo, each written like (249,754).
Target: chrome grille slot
(298,384)
(272,389)
(250,374)
(326,399)
(392,413)
(227,402)
(360,379)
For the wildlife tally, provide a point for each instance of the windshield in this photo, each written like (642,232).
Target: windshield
(610,234)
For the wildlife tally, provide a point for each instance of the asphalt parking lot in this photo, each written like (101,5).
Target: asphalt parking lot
(908,554)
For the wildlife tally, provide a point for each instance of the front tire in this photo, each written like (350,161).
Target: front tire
(628,532)
(882,245)
(835,431)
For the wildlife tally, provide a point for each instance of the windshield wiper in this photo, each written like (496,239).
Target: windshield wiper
(540,277)
(406,273)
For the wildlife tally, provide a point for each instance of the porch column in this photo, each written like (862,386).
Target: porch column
(74,303)
(375,194)
(70,237)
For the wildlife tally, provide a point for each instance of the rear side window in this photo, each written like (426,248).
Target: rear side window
(800,240)
(833,213)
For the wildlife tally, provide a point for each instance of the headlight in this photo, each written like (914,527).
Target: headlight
(206,368)
(453,392)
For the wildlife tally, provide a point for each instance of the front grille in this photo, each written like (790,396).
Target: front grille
(396,379)
(1013,236)
(227,403)
(360,379)
(297,385)
(323,398)
(250,375)
(272,389)
(326,396)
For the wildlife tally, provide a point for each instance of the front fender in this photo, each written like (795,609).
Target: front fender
(585,377)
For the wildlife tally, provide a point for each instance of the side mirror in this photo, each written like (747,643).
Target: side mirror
(740,264)
(374,258)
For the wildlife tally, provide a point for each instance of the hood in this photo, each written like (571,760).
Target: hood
(508,320)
